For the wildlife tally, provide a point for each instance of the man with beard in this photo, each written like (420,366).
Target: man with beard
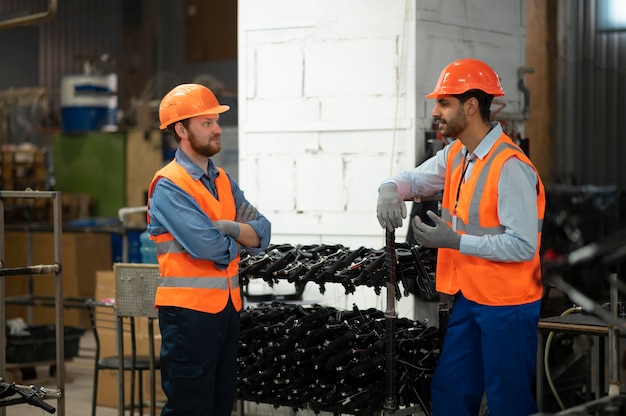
(488,239)
(200,220)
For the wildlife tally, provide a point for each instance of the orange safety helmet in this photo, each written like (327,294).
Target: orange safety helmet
(186,101)
(467,74)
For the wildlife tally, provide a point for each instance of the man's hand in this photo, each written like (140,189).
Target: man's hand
(439,236)
(390,208)
(246,212)
(228,228)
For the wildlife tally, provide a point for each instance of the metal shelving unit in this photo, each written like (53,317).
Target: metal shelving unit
(44,269)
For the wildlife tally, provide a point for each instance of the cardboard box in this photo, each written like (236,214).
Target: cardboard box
(83,253)
(105,285)
(139,175)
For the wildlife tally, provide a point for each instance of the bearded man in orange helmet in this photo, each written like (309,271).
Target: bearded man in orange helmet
(488,238)
(200,220)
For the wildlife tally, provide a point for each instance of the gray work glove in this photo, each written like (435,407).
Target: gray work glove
(246,212)
(439,236)
(228,228)
(390,208)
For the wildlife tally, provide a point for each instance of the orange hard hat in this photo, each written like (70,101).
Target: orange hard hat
(467,74)
(186,101)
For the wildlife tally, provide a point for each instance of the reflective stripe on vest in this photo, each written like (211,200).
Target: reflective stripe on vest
(484,281)
(171,246)
(200,282)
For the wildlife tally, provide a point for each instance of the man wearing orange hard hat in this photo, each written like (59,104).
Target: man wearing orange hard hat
(199,219)
(487,235)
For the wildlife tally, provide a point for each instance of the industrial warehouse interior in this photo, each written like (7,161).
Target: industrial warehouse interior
(320,104)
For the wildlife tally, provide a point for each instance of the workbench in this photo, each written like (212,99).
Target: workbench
(580,324)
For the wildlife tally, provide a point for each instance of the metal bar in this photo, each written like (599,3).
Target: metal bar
(390,405)
(2,296)
(614,341)
(29,194)
(119,335)
(38,269)
(59,318)
(152,369)
(47,300)
(32,18)
(31,284)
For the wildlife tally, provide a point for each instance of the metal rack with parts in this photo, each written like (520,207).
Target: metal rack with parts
(359,361)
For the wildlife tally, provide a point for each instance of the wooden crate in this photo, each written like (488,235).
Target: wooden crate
(22,168)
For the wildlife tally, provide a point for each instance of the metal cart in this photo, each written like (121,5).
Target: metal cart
(135,289)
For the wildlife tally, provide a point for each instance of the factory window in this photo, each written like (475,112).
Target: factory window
(611,15)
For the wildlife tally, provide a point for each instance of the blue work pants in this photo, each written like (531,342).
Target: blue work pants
(490,349)
(199,360)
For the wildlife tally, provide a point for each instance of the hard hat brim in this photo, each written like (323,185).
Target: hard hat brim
(211,111)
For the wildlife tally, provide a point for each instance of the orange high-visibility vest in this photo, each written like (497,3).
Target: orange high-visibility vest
(483,281)
(185,281)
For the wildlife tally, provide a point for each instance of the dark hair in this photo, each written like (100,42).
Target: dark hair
(484,101)
(172,128)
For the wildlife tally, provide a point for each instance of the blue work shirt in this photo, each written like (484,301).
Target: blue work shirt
(173,210)
(517,201)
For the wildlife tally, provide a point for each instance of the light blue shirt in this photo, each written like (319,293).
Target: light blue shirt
(175,211)
(517,201)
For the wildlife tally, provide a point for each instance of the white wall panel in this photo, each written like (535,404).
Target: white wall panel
(332,101)
(282,67)
(330,81)
(269,144)
(320,185)
(351,68)
(273,14)
(370,111)
(281,114)
(274,193)
(503,16)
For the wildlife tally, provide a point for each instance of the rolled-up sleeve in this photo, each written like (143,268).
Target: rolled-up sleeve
(261,225)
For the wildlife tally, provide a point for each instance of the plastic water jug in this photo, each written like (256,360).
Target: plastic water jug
(147,248)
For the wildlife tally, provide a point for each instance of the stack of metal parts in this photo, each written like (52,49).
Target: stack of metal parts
(322,264)
(325,359)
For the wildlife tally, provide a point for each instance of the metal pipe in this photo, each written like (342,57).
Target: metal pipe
(32,18)
(37,269)
(614,348)
(58,300)
(122,213)
(390,405)
(29,194)
(3,361)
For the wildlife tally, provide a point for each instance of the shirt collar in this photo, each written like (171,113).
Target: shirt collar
(194,170)
(488,141)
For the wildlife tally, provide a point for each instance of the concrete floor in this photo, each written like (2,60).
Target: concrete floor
(79,384)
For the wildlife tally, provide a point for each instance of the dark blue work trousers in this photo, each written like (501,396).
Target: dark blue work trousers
(199,360)
(490,349)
